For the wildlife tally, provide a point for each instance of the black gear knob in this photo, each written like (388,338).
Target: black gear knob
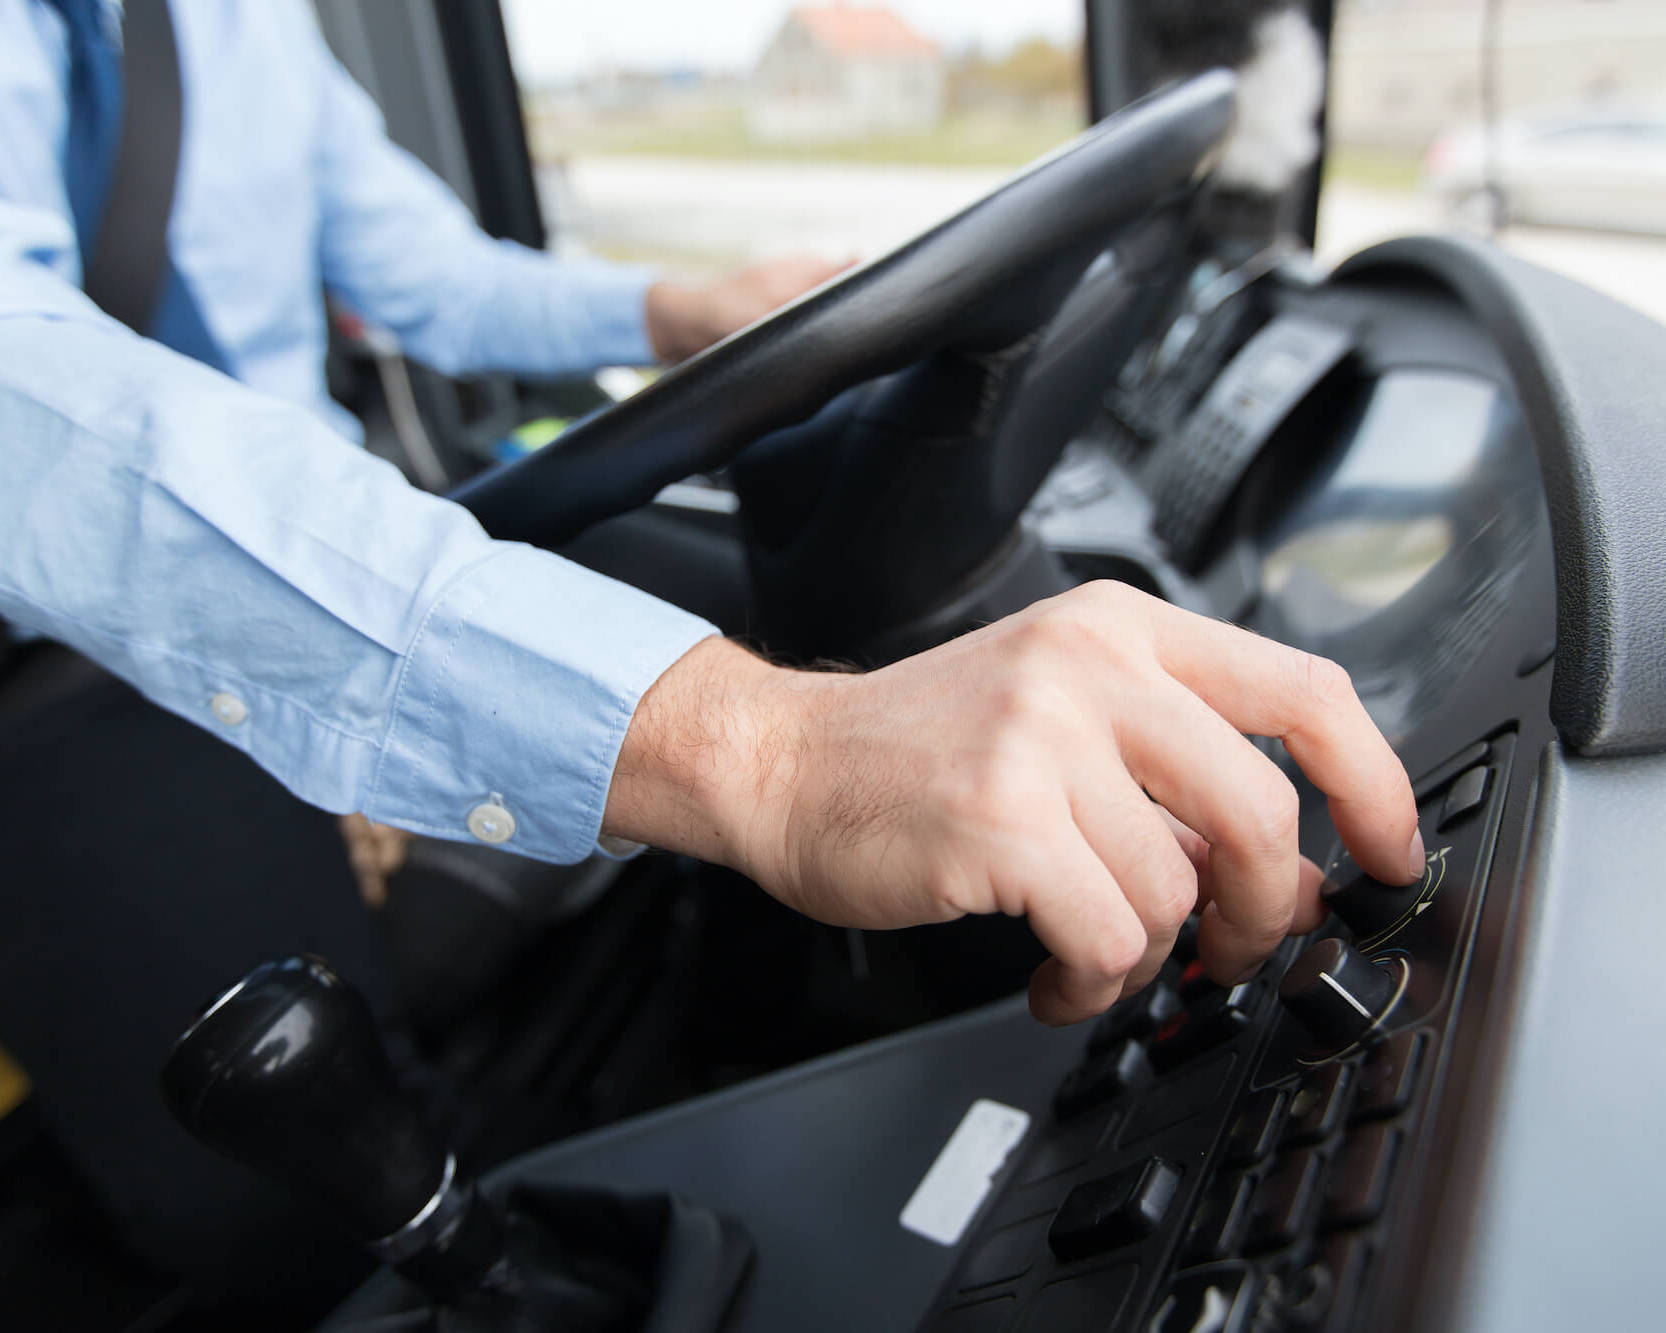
(285,1073)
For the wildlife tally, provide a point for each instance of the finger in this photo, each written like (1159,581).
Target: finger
(1269,689)
(1310,906)
(1127,831)
(1198,767)
(1192,843)
(1077,910)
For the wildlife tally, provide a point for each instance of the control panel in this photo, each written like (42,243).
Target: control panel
(1228,1159)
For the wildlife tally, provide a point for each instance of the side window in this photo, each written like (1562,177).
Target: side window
(1466,114)
(703,136)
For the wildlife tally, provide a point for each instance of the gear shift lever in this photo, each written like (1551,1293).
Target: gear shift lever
(286,1074)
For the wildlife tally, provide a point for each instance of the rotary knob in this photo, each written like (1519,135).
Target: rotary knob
(1368,907)
(1337,993)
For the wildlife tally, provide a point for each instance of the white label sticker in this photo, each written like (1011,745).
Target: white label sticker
(944,1201)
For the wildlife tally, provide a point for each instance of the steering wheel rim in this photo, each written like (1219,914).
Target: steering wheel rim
(879,318)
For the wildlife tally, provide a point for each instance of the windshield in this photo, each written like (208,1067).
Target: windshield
(696,137)
(702,136)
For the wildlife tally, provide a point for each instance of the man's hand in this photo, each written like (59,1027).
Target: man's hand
(1054,764)
(685,318)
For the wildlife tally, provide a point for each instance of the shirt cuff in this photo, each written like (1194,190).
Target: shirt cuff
(514,701)
(615,300)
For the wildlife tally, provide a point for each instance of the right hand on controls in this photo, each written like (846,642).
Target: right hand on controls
(1082,763)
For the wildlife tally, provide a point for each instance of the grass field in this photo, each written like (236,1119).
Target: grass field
(963,140)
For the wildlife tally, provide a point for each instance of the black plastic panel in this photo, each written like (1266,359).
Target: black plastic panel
(1587,372)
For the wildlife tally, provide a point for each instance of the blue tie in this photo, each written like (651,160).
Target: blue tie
(96,96)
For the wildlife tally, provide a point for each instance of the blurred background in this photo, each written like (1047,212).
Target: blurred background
(699,136)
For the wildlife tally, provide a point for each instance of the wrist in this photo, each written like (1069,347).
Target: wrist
(710,760)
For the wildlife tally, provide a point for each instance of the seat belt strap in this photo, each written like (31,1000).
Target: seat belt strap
(128,260)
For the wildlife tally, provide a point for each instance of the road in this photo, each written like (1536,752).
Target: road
(705,215)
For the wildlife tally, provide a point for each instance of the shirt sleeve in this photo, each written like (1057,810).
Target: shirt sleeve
(399,248)
(364,642)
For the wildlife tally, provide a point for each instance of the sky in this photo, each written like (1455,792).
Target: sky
(553,39)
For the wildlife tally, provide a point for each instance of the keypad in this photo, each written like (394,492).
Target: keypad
(1206,1165)
(1101,1077)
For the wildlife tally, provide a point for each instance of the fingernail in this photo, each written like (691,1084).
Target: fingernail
(1415,859)
(1249,973)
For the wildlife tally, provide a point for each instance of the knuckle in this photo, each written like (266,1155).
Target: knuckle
(1056,631)
(995,792)
(1324,682)
(1110,595)
(1117,953)
(1022,701)
(1174,904)
(946,888)
(1268,814)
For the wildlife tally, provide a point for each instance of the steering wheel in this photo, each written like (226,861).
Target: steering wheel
(978,281)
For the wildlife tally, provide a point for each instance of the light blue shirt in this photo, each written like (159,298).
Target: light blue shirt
(218,543)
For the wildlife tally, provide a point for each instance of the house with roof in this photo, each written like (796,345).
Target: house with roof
(842,72)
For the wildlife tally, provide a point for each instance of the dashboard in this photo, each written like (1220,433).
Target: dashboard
(1439,1110)
(1356,477)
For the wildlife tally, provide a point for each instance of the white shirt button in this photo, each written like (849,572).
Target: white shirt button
(228,708)
(490,822)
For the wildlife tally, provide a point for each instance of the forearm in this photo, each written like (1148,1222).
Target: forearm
(386,656)
(398,247)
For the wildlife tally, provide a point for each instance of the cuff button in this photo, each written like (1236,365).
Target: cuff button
(228,708)
(490,822)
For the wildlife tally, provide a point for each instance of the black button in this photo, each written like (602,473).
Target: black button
(1218,1227)
(1317,1106)
(1102,1077)
(1286,1200)
(1359,1181)
(984,1317)
(1369,908)
(1005,1254)
(1221,1300)
(1466,795)
(1086,1303)
(1137,1016)
(1388,1079)
(1255,1129)
(1116,1210)
(1214,1020)
(1441,774)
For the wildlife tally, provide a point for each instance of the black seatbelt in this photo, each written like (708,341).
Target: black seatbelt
(130,255)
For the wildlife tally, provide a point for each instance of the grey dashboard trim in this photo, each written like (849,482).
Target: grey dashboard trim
(1554,1214)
